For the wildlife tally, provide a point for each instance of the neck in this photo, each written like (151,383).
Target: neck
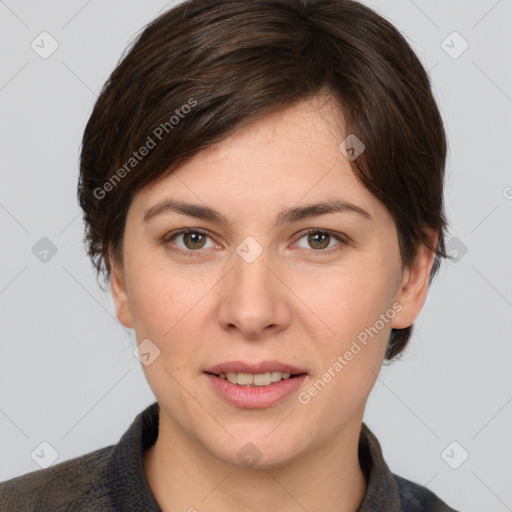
(183,475)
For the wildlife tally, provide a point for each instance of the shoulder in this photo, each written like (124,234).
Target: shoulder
(416,498)
(68,486)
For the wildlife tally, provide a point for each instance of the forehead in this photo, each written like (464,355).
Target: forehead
(313,119)
(286,157)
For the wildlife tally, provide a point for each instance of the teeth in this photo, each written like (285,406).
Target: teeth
(259,379)
(244,379)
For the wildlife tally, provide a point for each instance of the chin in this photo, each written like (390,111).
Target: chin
(256,449)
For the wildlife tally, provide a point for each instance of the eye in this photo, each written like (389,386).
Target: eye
(319,239)
(194,239)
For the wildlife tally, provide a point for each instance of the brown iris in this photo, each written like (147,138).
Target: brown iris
(197,240)
(313,239)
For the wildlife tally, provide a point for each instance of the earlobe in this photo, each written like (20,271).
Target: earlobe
(119,293)
(414,287)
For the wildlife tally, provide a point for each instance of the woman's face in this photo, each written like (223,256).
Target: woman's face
(260,289)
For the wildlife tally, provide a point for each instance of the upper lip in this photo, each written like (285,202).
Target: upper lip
(254,368)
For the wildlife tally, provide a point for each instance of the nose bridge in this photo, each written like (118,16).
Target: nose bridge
(251,266)
(252,300)
(251,279)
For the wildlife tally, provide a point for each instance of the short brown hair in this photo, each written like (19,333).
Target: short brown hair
(205,68)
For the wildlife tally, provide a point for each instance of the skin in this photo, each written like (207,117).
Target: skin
(300,302)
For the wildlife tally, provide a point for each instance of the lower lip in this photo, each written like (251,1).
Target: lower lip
(256,397)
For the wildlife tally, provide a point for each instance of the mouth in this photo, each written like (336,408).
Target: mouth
(249,374)
(255,386)
(256,379)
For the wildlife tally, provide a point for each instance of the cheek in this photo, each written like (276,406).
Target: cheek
(350,328)
(350,359)
(345,300)
(169,308)
(161,295)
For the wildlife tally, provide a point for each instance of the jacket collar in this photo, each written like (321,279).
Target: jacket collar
(130,490)
(382,491)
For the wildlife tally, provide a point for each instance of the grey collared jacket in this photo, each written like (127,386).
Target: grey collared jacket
(113,479)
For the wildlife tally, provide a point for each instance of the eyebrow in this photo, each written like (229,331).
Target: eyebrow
(289,215)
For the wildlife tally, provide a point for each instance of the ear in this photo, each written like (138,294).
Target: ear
(414,287)
(119,292)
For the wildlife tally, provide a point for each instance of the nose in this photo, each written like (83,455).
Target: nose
(253,299)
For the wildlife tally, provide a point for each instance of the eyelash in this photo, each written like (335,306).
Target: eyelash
(190,253)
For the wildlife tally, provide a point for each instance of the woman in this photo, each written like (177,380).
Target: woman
(262,185)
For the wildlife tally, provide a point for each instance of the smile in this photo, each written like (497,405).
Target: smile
(255,380)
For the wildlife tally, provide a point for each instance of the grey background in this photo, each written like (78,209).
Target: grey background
(68,375)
